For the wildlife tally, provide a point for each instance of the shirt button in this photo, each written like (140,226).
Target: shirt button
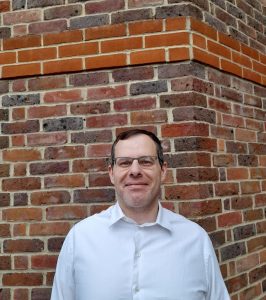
(138,254)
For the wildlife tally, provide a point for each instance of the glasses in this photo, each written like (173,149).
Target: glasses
(144,161)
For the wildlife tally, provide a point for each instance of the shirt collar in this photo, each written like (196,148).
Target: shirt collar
(162,220)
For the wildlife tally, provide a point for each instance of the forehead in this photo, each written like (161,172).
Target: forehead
(137,145)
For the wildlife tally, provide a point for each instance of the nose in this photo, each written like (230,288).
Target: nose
(135,169)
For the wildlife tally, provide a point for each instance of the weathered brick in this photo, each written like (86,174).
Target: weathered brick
(5,262)
(22,279)
(20,127)
(62,124)
(99,180)
(66,212)
(148,87)
(44,83)
(90,108)
(248,160)
(22,214)
(23,245)
(236,147)
(106,92)
(154,116)
(104,6)
(90,78)
(90,165)
(94,195)
(20,199)
(55,244)
(49,168)
(199,208)
(194,113)
(25,183)
(188,160)
(196,174)
(19,100)
(257,274)
(135,104)
(130,74)
(89,21)
(51,26)
(48,229)
(64,181)
(43,3)
(195,144)
(66,12)
(236,283)
(165,12)
(47,111)
(244,232)
(5,230)
(190,83)
(62,96)
(233,251)
(64,152)
(131,15)
(188,192)
(47,139)
(185,129)
(92,137)
(4,170)
(21,155)
(226,189)
(223,132)
(55,197)
(4,199)
(217,238)
(41,293)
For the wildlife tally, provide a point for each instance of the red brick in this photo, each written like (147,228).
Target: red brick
(64,152)
(62,96)
(106,121)
(256,244)
(29,41)
(253,215)
(7,58)
(203,28)
(62,37)
(226,189)
(237,173)
(21,155)
(146,26)
(23,184)
(247,263)
(199,41)
(241,59)
(260,200)
(105,61)
(228,41)
(250,52)
(99,180)
(105,31)
(23,245)
(62,66)
(170,39)
(47,139)
(236,283)
(37,54)
(46,83)
(147,56)
(21,70)
(230,67)
(66,212)
(188,192)
(218,49)
(66,181)
(21,262)
(49,229)
(23,279)
(178,23)
(40,112)
(185,129)
(47,197)
(22,17)
(251,75)
(200,208)
(4,6)
(146,117)
(22,214)
(102,150)
(233,121)
(92,165)
(250,187)
(81,49)
(229,219)
(205,57)
(18,113)
(117,45)
(100,93)
(176,54)
(43,262)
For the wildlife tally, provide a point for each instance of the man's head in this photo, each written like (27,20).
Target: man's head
(127,134)
(137,170)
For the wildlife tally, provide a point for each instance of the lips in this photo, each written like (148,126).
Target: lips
(136,184)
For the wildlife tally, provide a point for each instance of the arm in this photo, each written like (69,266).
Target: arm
(63,286)
(216,286)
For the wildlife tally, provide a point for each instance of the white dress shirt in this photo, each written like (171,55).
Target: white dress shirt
(109,257)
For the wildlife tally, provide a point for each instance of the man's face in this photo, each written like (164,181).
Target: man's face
(137,187)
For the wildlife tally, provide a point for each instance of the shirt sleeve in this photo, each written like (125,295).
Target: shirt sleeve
(216,286)
(63,285)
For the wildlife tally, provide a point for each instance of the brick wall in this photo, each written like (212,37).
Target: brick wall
(74,75)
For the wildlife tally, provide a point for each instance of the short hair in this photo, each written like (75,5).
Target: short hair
(132,132)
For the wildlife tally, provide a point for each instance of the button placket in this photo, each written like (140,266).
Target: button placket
(137,255)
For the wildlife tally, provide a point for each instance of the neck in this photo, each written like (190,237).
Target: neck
(142,215)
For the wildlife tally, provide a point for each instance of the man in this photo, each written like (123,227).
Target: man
(136,249)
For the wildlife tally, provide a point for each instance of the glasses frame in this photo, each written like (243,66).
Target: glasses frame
(153,159)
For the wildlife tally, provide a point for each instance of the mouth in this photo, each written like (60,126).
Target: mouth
(135,184)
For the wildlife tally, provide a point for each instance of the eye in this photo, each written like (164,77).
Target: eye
(146,161)
(124,162)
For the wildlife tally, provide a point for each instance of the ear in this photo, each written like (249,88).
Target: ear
(163,171)
(111,173)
